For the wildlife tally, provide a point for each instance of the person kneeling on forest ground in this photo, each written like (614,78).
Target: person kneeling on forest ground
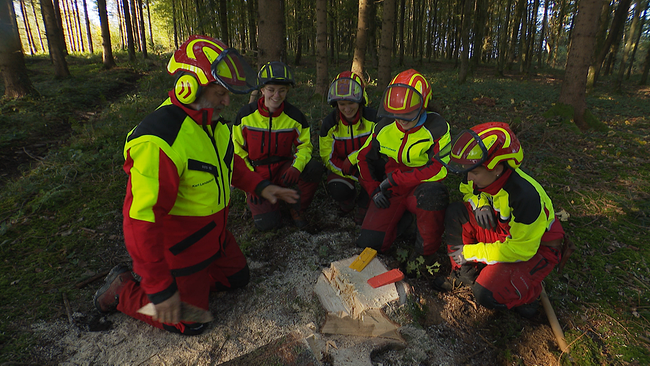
(504,239)
(180,165)
(342,134)
(398,170)
(274,139)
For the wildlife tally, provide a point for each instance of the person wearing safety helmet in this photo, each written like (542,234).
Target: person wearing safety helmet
(273,137)
(180,163)
(397,169)
(342,134)
(504,239)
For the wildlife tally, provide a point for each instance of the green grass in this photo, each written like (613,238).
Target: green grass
(60,219)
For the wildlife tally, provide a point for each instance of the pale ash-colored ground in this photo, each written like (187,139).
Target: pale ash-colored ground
(279,300)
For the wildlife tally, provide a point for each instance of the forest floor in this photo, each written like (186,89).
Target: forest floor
(439,328)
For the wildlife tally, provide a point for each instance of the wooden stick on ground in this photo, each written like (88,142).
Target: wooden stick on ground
(68,310)
(91,279)
(555,324)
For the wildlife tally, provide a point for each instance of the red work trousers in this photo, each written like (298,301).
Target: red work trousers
(227,272)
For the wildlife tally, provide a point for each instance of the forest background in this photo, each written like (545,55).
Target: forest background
(568,76)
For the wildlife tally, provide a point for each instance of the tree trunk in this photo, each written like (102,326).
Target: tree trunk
(646,68)
(386,44)
(400,39)
(28,30)
(503,41)
(321,48)
(580,56)
(516,24)
(59,24)
(38,27)
(479,32)
(362,39)
(465,25)
(371,49)
(252,28)
(129,30)
(12,60)
(175,21)
(143,37)
(68,26)
(135,28)
(79,32)
(618,23)
(53,42)
(223,19)
(271,32)
(638,40)
(629,43)
(149,21)
(88,34)
(558,34)
(107,54)
(300,31)
(542,35)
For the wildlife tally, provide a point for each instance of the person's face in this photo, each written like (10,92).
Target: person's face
(274,95)
(407,125)
(216,97)
(482,177)
(347,108)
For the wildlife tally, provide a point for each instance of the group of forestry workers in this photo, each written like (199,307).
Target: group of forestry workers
(385,167)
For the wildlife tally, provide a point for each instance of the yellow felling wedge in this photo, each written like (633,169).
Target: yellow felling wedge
(363,259)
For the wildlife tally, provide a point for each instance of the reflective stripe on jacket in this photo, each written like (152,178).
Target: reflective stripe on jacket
(524,211)
(340,139)
(259,136)
(180,167)
(407,156)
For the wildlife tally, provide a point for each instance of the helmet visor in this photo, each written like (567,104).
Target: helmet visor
(401,101)
(466,152)
(233,72)
(345,89)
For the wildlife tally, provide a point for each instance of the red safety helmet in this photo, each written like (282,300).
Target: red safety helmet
(347,86)
(487,144)
(201,61)
(406,96)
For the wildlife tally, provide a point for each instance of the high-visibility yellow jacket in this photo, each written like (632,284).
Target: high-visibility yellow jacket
(180,166)
(266,141)
(340,139)
(524,211)
(406,157)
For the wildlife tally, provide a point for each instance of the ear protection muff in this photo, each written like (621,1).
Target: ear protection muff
(187,88)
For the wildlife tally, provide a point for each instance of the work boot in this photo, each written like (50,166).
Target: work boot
(528,310)
(108,296)
(298,218)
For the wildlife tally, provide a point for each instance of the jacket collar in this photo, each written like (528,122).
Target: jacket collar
(196,115)
(261,107)
(496,186)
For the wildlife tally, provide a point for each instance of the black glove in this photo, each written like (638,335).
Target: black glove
(456,254)
(255,199)
(381,199)
(485,217)
(384,186)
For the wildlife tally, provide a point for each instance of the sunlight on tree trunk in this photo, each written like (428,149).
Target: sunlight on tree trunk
(580,56)
(12,60)
(618,23)
(107,50)
(129,30)
(53,41)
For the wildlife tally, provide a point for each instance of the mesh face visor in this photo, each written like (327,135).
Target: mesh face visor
(401,101)
(345,89)
(466,152)
(233,72)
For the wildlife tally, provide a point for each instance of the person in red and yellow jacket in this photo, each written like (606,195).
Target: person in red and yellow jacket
(399,171)
(504,239)
(342,134)
(181,163)
(274,139)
